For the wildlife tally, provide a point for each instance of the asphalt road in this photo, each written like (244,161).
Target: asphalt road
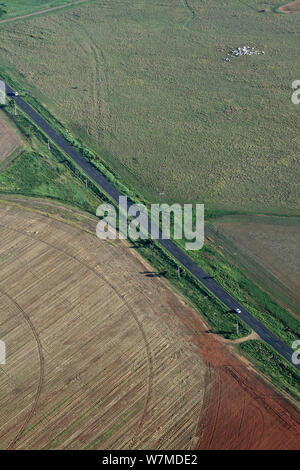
(173,249)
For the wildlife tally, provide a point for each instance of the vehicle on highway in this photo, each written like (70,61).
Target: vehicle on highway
(15,93)
(237,310)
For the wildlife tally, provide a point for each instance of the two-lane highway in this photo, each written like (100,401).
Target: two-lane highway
(168,245)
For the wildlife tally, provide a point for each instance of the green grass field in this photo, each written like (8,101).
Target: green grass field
(11,8)
(145,85)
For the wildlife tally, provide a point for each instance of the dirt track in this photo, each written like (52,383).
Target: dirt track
(40,12)
(103,355)
(291,7)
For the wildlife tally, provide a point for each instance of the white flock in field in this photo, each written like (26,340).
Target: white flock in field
(242,51)
(245,50)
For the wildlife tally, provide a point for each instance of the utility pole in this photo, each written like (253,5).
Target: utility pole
(15,109)
(178,272)
(86,182)
(48,144)
(237,328)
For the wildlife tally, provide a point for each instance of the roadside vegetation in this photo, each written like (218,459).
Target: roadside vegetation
(265,249)
(256,300)
(45,173)
(274,366)
(223,322)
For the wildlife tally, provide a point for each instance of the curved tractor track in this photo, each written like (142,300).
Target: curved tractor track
(41,360)
(99,84)
(111,345)
(122,298)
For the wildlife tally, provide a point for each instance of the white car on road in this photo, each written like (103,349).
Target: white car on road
(237,310)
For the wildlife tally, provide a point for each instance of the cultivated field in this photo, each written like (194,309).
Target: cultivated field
(267,249)
(144,83)
(242,413)
(96,354)
(10,140)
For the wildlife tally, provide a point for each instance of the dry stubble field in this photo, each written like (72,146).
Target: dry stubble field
(96,355)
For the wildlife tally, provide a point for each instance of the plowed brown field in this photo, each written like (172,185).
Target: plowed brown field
(240,410)
(101,354)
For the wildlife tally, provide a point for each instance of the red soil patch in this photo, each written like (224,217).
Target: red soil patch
(240,410)
(291,7)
